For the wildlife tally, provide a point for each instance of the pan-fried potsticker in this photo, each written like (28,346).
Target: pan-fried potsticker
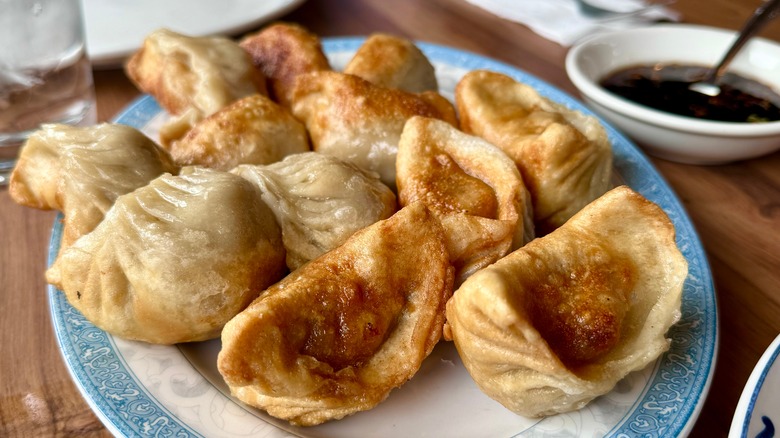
(336,336)
(560,321)
(282,52)
(360,122)
(472,186)
(393,62)
(251,130)
(564,155)
(192,77)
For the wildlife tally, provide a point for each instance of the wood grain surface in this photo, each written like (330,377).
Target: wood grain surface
(735,208)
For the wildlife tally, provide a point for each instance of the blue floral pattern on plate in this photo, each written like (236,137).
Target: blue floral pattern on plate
(758,409)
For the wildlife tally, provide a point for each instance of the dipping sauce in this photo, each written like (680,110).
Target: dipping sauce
(665,88)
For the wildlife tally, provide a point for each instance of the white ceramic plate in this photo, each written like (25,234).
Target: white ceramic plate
(758,410)
(137,388)
(116,28)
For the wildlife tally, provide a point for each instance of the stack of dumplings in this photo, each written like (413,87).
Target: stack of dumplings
(331,227)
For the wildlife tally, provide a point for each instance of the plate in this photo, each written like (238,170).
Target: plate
(758,410)
(137,388)
(116,28)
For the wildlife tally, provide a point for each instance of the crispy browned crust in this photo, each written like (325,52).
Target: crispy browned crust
(338,334)
(356,120)
(564,155)
(282,51)
(251,130)
(561,320)
(471,184)
(394,62)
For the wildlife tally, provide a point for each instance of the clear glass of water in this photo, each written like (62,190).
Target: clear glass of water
(45,75)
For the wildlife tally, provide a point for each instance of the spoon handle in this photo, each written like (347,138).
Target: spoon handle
(762,15)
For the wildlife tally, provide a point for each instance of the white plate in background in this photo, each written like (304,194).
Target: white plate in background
(151,390)
(116,28)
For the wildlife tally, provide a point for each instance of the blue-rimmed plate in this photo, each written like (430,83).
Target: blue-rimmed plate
(139,389)
(758,411)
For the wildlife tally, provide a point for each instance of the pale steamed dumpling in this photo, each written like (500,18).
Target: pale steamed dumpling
(175,260)
(81,171)
(319,201)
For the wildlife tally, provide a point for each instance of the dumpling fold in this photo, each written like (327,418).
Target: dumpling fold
(81,171)
(564,155)
(473,187)
(192,77)
(560,321)
(174,260)
(336,336)
(319,201)
(360,122)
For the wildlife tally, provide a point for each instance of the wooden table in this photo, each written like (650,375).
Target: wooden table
(736,209)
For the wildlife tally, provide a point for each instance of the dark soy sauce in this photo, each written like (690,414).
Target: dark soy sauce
(665,88)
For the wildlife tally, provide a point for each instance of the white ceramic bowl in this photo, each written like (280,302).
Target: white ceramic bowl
(665,135)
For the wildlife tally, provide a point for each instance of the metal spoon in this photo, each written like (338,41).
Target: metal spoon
(598,12)
(762,15)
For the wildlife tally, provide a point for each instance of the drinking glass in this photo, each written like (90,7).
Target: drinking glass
(45,75)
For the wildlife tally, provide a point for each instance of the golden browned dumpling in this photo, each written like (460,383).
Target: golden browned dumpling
(564,155)
(360,122)
(192,77)
(319,201)
(175,260)
(473,187)
(81,171)
(251,130)
(393,62)
(339,334)
(282,51)
(561,320)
